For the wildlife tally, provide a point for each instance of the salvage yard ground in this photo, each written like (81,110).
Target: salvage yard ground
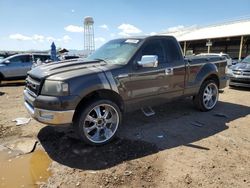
(178,147)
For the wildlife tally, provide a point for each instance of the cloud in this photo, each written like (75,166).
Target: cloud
(112,35)
(175,29)
(38,38)
(100,39)
(66,39)
(152,33)
(18,36)
(104,26)
(50,39)
(128,29)
(21,37)
(74,29)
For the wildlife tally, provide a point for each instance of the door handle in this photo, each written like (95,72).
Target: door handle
(123,75)
(169,71)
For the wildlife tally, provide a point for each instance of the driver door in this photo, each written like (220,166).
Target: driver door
(13,67)
(149,81)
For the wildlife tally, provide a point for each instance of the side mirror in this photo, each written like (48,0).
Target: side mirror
(148,61)
(7,62)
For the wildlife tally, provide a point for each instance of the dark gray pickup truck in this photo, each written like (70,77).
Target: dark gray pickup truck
(123,75)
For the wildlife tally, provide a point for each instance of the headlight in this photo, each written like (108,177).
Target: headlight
(55,88)
(229,71)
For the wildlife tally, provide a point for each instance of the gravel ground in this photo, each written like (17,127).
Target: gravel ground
(177,147)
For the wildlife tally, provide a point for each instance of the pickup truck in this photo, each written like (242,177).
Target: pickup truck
(121,76)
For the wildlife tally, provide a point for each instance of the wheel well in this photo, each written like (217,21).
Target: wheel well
(215,78)
(1,76)
(101,94)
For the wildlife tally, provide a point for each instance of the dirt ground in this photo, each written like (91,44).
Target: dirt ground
(177,147)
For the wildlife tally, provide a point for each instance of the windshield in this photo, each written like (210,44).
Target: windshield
(246,60)
(117,51)
(2,59)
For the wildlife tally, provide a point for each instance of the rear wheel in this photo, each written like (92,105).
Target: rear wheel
(208,96)
(97,122)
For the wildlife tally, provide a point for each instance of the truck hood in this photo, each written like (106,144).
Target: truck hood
(2,64)
(68,69)
(241,66)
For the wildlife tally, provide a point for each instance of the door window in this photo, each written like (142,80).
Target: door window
(25,58)
(15,59)
(172,50)
(154,47)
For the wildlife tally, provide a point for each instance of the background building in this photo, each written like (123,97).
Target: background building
(232,38)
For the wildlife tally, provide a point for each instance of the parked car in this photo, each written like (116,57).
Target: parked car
(16,67)
(240,73)
(228,58)
(123,75)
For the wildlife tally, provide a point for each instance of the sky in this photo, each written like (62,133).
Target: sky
(33,25)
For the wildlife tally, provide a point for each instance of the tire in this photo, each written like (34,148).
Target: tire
(208,96)
(97,122)
(1,78)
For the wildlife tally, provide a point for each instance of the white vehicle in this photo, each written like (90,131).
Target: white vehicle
(228,58)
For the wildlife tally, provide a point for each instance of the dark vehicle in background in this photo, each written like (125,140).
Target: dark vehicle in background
(123,75)
(67,57)
(15,67)
(240,73)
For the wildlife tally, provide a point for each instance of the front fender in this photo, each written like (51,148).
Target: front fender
(82,86)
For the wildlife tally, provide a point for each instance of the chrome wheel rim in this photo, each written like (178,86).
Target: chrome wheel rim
(101,123)
(210,96)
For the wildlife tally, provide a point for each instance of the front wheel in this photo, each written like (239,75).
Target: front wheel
(208,96)
(98,122)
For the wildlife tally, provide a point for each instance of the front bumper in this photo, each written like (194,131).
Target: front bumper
(240,81)
(50,116)
(50,110)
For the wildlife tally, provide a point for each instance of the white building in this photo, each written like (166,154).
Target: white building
(231,37)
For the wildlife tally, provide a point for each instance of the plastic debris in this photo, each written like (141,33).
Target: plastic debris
(127,173)
(78,184)
(22,121)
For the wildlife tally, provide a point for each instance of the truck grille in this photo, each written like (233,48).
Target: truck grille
(33,86)
(241,72)
(246,73)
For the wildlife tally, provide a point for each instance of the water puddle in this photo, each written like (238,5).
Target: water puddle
(25,170)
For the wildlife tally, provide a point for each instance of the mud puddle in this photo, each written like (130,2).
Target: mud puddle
(25,170)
